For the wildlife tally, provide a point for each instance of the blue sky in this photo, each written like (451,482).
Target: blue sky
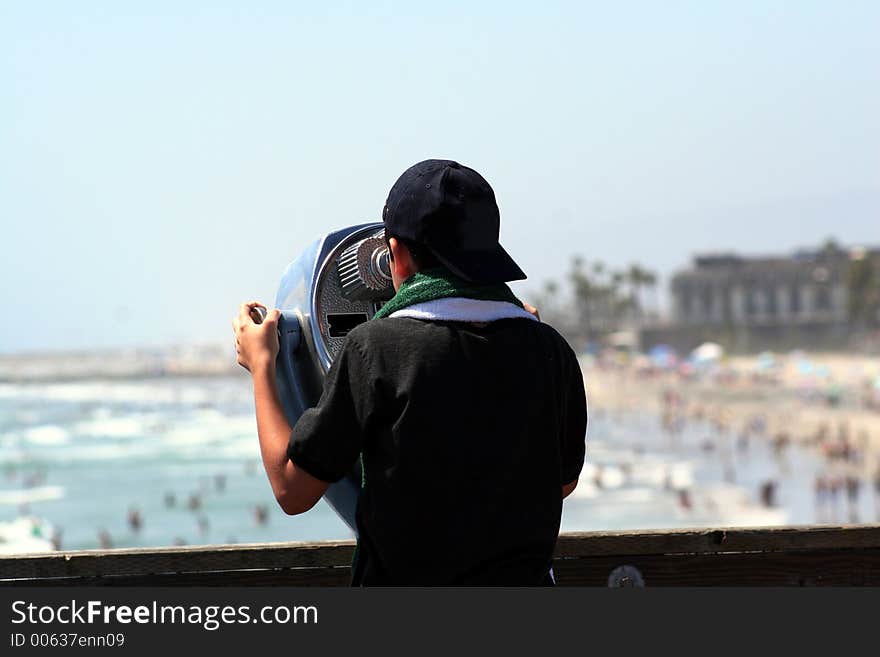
(161,162)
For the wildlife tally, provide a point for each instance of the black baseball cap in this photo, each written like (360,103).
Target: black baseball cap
(450,210)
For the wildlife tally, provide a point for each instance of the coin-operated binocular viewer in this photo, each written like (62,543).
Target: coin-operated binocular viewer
(338,282)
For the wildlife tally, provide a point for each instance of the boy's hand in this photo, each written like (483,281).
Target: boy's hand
(531,310)
(255,343)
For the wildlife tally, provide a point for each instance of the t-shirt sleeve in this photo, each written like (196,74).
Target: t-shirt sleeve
(574,426)
(327,439)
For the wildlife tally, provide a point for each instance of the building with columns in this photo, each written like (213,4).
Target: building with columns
(766,302)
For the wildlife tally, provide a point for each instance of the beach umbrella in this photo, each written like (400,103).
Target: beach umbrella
(805,367)
(708,352)
(766,361)
(663,356)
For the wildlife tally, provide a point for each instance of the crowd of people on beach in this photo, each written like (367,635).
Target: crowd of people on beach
(848,465)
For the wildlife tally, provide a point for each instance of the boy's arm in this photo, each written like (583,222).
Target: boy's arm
(295,489)
(257,347)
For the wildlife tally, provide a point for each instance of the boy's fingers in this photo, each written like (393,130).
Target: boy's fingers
(244,315)
(273,316)
(258,314)
(531,309)
(244,310)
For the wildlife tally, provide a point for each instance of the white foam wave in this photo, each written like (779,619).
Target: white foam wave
(115,427)
(24,535)
(245,448)
(28,495)
(47,434)
(211,429)
(161,391)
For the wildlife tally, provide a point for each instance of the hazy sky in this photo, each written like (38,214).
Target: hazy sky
(162,161)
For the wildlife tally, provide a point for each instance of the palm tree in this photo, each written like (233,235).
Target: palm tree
(640,278)
(649,279)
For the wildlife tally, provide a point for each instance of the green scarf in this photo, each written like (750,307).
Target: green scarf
(440,283)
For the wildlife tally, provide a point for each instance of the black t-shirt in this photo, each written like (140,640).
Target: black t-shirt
(467,434)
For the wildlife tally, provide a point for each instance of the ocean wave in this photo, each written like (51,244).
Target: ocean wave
(173,392)
(102,452)
(245,448)
(216,427)
(129,426)
(29,495)
(26,535)
(46,434)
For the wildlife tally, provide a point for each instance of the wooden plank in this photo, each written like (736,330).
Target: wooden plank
(837,568)
(322,576)
(710,541)
(234,561)
(85,563)
(798,568)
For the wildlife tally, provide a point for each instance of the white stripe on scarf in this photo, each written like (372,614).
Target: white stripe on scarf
(461,309)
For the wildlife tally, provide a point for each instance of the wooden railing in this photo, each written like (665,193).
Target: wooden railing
(791,556)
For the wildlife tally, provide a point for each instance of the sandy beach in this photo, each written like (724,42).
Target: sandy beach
(834,393)
(827,404)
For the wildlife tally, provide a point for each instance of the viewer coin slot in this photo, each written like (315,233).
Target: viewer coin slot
(341,323)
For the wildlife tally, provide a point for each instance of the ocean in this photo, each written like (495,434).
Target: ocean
(175,460)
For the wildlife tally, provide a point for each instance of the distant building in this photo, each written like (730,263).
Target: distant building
(765,302)
(808,287)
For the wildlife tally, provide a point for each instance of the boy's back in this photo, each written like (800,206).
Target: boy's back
(467,434)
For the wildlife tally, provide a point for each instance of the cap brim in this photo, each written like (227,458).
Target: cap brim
(482,267)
